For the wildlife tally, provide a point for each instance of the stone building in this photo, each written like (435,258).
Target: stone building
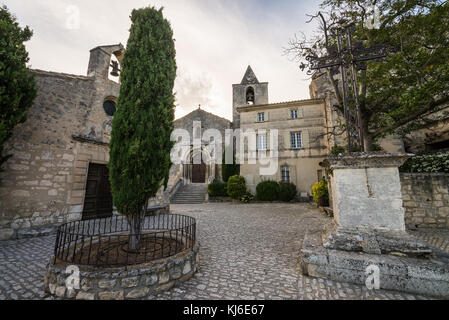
(58,169)
(300,125)
(199,165)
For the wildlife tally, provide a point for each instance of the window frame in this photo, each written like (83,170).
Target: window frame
(296,140)
(295,111)
(285,169)
(259,144)
(263,117)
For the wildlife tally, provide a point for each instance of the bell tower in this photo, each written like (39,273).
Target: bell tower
(247,93)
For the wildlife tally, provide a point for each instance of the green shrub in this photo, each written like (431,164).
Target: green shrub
(236,187)
(427,163)
(287,191)
(217,189)
(336,150)
(320,190)
(267,191)
(248,197)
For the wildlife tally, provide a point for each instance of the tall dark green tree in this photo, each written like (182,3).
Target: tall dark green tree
(140,139)
(229,170)
(17,85)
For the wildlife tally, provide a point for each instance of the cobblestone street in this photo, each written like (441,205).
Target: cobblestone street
(248,251)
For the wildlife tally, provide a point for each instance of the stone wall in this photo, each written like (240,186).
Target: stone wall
(36,187)
(67,128)
(426,199)
(131,282)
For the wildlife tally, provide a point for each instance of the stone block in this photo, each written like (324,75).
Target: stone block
(151,280)
(46,183)
(85,296)
(130,282)
(164,277)
(138,293)
(20,193)
(166,286)
(187,268)
(60,291)
(111,295)
(6,234)
(175,273)
(107,284)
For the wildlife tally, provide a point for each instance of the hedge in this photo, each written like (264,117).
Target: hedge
(217,189)
(267,191)
(287,191)
(236,187)
(430,163)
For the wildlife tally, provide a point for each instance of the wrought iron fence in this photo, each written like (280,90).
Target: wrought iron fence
(104,242)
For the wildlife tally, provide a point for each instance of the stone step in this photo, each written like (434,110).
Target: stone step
(190,194)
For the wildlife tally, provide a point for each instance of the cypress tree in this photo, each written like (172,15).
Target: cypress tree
(140,139)
(17,85)
(229,170)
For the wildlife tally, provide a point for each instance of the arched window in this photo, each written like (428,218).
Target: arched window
(110,106)
(250,97)
(285,174)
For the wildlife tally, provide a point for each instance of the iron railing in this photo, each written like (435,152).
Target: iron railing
(104,242)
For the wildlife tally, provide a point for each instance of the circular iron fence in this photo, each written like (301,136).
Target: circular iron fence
(105,242)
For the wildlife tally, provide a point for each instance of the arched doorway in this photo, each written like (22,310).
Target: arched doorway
(200,168)
(199,173)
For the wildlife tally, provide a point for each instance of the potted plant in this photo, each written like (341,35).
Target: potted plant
(321,193)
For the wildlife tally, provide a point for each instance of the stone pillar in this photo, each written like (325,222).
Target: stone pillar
(366,191)
(367,204)
(369,231)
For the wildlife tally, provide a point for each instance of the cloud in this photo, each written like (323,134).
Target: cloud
(215,41)
(192,92)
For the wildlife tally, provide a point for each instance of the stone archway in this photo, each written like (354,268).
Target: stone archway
(199,167)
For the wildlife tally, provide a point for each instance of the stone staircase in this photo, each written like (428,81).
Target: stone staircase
(190,193)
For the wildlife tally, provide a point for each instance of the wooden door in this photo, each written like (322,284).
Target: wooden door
(98,199)
(199,173)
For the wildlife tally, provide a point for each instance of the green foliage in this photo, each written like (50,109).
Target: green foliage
(140,143)
(267,191)
(17,85)
(320,190)
(236,187)
(427,163)
(217,189)
(336,150)
(247,197)
(287,191)
(229,170)
(408,89)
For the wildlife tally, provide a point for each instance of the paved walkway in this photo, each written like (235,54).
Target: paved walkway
(248,251)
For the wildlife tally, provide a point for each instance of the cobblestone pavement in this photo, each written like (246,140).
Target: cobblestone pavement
(248,251)
(435,237)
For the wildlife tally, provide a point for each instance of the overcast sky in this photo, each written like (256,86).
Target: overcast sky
(215,41)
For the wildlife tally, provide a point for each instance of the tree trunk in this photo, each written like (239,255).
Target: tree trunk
(135,224)
(367,138)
